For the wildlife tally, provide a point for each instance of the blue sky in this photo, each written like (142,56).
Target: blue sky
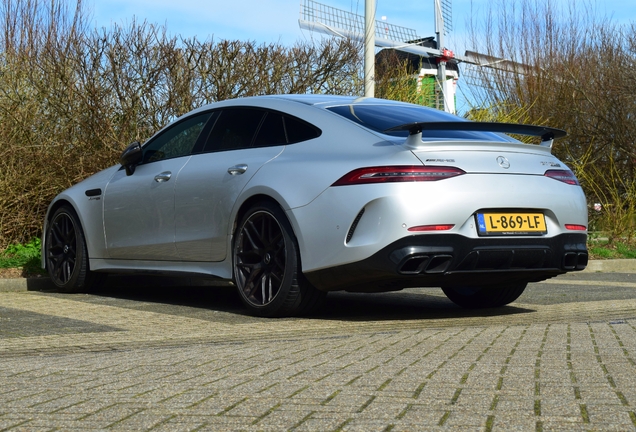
(276,21)
(268,21)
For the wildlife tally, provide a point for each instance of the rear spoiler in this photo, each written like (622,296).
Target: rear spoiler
(415,129)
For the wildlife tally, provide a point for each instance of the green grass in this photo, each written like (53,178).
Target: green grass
(626,251)
(602,249)
(26,256)
(601,252)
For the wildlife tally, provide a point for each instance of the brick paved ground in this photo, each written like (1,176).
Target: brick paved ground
(402,362)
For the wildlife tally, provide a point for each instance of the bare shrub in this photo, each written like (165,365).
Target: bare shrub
(396,78)
(581,78)
(72,97)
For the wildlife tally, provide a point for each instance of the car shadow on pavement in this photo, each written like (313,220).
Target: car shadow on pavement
(195,299)
(408,304)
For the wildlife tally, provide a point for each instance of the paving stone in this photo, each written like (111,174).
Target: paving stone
(125,364)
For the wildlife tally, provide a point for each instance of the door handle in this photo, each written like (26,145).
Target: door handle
(237,169)
(163,177)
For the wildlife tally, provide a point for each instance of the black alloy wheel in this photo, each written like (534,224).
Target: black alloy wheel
(267,269)
(65,253)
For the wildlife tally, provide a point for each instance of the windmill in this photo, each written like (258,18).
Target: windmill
(326,19)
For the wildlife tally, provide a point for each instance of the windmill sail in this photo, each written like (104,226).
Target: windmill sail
(318,17)
(328,20)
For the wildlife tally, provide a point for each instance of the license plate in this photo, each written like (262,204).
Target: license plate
(511,224)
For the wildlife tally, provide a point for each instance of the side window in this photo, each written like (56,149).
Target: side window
(298,130)
(234,129)
(279,129)
(272,131)
(177,141)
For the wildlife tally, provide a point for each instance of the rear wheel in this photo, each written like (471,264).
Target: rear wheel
(66,254)
(267,269)
(484,297)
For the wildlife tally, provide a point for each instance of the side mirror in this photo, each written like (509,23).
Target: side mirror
(131,157)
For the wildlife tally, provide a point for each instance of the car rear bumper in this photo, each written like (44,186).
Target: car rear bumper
(437,260)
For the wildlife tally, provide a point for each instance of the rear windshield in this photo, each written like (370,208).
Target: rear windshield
(382,117)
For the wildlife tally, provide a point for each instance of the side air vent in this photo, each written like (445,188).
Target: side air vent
(354,225)
(93,192)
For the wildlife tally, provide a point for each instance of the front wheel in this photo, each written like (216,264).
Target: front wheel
(66,254)
(267,269)
(484,297)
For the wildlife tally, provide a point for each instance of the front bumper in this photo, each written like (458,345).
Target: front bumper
(446,260)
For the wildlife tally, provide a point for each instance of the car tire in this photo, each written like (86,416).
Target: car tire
(66,256)
(266,261)
(484,297)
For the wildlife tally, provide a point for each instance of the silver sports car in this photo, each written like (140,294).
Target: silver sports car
(291,197)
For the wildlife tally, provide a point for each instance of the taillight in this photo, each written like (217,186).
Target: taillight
(573,227)
(386,174)
(423,228)
(563,175)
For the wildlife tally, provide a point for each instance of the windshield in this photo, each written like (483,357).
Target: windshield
(382,117)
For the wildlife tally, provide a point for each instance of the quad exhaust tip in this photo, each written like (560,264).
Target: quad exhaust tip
(575,260)
(418,264)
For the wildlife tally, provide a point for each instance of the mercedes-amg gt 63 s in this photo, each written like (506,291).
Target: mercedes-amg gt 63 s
(291,197)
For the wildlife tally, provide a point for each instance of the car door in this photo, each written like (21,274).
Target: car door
(139,216)
(241,141)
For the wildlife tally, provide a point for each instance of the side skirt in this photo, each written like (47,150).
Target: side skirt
(207,270)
